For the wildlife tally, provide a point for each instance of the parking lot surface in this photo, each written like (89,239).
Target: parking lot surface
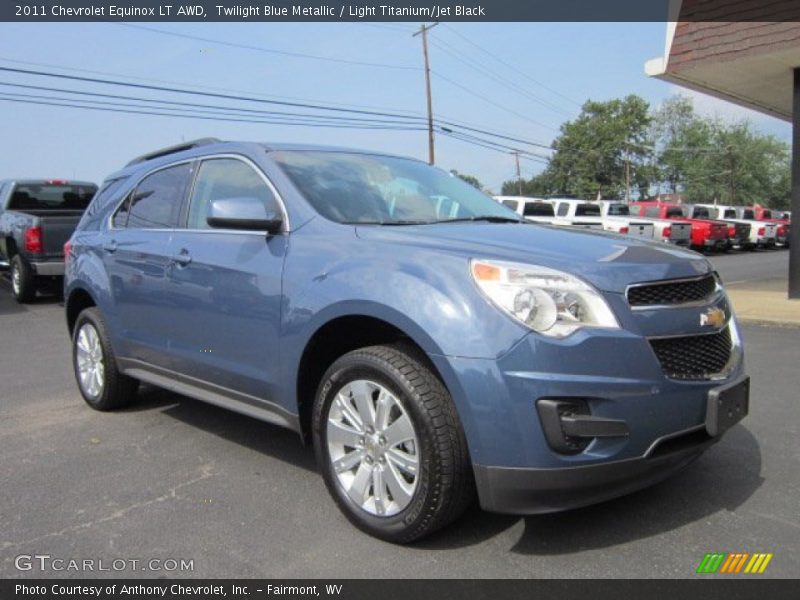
(172,478)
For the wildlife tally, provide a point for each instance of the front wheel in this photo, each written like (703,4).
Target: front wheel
(390,444)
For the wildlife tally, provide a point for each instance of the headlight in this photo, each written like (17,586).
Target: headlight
(550,302)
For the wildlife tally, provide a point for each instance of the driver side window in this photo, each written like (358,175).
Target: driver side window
(220,178)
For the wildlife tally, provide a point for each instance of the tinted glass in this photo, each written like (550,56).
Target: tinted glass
(617,210)
(156,201)
(701,213)
(225,178)
(512,204)
(563,209)
(730,213)
(674,211)
(51,197)
(651,211)
(538,209)
(748,214)
(587,210)
(363,188)
(767,214)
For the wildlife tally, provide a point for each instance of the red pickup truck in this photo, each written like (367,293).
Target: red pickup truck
(706,234)
(762,213)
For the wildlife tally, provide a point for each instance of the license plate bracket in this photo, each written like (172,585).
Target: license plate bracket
(727,405)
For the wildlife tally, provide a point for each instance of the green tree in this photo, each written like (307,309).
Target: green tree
(607,146)
(473,181)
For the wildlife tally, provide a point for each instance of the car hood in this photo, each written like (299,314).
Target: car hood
(607,261)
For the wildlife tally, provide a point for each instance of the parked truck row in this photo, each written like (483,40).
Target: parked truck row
(703,227)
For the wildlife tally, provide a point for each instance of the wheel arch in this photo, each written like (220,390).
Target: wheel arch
(78,300)
(339,335)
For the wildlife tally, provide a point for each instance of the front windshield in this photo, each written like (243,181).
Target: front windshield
(371,189)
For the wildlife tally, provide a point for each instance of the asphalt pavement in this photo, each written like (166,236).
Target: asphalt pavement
(172,478)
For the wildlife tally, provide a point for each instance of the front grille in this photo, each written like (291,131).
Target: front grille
(694,356)
(672,292)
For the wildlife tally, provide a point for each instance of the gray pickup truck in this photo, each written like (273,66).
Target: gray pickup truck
(37,217)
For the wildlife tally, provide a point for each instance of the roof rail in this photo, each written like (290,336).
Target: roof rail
(173,149)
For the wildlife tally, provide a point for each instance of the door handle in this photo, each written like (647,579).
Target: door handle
(110,247)
(183,258)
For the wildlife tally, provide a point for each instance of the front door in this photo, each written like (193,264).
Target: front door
(226,284)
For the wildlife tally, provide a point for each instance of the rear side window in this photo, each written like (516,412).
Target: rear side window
(730,213)
(538,209)
(512,204)
(563,209)
(767,214)
(221,178)
(618,210)
(51,196)
(651,211)
(156,201)
(674,212)
(587,210)
(748,214)
(701,213)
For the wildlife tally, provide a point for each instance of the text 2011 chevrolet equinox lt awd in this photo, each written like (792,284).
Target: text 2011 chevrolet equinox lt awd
(432,346)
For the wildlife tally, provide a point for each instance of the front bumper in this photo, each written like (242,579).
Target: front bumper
(617,376)
(526,491)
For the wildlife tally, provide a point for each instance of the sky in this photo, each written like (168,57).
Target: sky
(519,79)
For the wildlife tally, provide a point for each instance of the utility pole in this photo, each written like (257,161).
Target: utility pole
(423,30)
(519,173)
(627,173)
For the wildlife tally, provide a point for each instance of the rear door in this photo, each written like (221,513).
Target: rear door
(136,256)
(227,286)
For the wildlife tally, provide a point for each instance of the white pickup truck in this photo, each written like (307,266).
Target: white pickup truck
(616,223)
(662,230)
(762,233)
(544,211)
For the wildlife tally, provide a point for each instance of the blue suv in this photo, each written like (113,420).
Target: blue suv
(431,345)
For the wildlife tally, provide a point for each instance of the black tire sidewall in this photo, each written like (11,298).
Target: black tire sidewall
(343,371)
(27,284)
(89,316)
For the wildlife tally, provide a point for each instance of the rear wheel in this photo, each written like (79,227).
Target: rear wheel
(101,384)
(390,445)
(23,280)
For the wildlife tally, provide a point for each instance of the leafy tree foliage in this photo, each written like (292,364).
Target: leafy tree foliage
(622,144)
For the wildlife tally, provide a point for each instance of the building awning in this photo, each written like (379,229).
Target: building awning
(748,63)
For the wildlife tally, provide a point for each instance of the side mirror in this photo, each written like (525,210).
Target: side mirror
(243,213)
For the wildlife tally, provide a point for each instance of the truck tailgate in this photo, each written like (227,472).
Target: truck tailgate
(56,230)
(680,233)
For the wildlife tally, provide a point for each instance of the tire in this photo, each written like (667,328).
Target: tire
(103,388)
(426,480)
(23,280)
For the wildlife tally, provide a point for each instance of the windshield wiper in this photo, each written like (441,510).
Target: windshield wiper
(399,222)
(487,218)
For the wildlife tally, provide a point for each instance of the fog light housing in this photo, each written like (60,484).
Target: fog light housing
(569,426)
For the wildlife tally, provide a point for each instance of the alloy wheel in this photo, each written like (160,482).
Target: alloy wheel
(373,448)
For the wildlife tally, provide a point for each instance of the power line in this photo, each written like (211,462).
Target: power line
(148,111)
(202,87)
(194,105)
(305,105)
(504,81)
(510,66)
(197,93)
(489,101)
(268,50)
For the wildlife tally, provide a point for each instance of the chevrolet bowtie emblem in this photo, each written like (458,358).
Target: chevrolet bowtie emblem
(713,317)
